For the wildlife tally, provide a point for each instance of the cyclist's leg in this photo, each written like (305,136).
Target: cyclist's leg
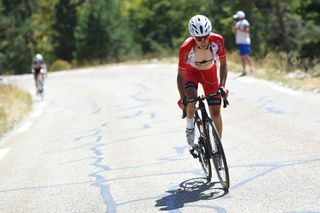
(210,85)
(191,92)
(191,86)
(191,81)
(36,76)
(216,117)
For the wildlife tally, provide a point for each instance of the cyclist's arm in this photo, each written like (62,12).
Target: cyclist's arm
(180,82)
(44,70)
(223,72)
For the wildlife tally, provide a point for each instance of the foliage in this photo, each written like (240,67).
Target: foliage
(15,35)
(86,31)
(42,36)
(102,34)
(65,21)
(59,65)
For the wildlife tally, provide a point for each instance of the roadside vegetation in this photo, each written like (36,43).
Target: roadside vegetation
(274,67)
(14,104)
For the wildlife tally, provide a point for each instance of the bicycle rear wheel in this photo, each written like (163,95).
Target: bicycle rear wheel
(218,156)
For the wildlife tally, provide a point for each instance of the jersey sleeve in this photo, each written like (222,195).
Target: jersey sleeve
(183,53)
(221,49)
(182,60)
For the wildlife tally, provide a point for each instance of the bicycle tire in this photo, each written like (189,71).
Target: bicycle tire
(218,156)
(204,156)
(41,86)
(204,160)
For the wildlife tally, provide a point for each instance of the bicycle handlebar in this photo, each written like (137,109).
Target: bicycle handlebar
(202,97)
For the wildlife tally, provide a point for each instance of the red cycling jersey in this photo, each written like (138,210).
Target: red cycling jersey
(207,78)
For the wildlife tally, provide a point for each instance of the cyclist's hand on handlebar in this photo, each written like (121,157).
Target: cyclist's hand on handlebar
(182,103)
(224,94)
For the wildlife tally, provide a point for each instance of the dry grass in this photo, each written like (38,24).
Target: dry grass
(14,104)
(275,68)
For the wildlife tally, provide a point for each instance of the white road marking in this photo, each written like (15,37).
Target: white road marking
(3,152)
(42,104)
(4,81)
(246,80)
(36,113)
(120,67)
(25,127)
(285,90)
(150,65)
(54,110)
(39,110)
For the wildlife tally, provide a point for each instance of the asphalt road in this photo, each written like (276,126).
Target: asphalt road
(110,139)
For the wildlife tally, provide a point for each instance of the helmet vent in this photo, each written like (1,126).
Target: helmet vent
(199,25)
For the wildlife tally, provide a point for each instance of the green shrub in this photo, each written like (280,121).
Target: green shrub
(60,65)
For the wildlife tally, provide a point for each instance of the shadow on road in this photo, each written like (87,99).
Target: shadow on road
(190,191)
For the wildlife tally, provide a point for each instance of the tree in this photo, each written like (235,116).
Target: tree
(65,21)
(42,23)
(102,33)
(16,33)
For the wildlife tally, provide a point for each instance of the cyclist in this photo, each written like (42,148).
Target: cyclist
(199,58)
(38,67)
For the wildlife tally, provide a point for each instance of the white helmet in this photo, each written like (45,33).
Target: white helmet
(39,57)
(199,25)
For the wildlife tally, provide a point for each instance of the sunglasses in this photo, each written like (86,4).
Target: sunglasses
(200,38)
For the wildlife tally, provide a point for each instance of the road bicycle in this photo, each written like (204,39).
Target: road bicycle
(209,146)
(40,89)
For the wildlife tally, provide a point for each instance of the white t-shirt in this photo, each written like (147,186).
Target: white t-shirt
(242,37)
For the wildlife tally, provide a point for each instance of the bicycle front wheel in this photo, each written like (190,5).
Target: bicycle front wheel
(218,156)
(204,158)
(41,86)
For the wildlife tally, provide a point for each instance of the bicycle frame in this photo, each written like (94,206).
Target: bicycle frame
(204,116)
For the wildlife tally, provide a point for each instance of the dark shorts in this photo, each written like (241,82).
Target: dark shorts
(36,74)
(244,49)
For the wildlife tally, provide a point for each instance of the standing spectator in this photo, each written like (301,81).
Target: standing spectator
(241,29)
